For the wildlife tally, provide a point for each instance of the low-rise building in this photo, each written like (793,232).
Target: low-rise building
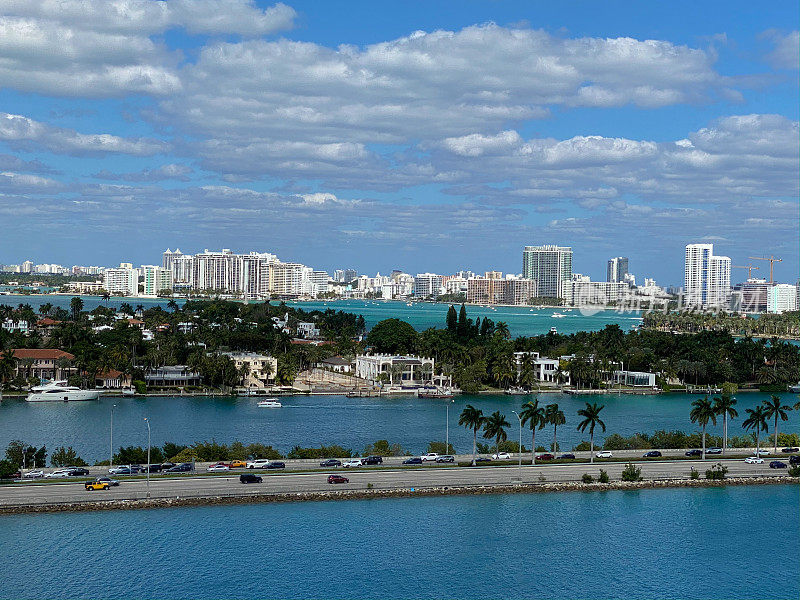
(634,378)
(403,370)
(111,379)
(337,364)
(308,330)
(174,376)
(260,368)
(43,363)
(493,289)
(544,369)
(20,326)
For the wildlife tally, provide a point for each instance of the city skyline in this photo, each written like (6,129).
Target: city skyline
(419,137)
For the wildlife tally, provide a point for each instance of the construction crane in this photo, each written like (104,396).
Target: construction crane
(750,269)
(771,260)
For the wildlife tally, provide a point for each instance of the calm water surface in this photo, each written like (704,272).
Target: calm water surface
(313,420)
(737,543)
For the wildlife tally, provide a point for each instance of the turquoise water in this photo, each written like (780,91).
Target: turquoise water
(724,543)
(313,420)
(521,320)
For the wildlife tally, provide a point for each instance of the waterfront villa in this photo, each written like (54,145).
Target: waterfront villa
(337,364)
(175,376)
(43,363)
(260,368)
(408,371)
(544,369)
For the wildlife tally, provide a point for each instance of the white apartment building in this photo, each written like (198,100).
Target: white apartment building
(427,285)
(544,369)
(397,370)
(319,282)
(782,297)
(156,279)
(550,266)
(583,292)
(123,281)
(707,277)
(85,287)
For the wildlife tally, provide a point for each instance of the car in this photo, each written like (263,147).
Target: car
(78,472)
(501,456)
(16,475)
(109,481)
(352,462)
(137,469)
(276,464)
(545,456)
(181,468)
(38,474)
(373,460)
(603,454)
(789,450)
(446,458)
(58,474)
(754,460)
(651,454)
(777,464)
(694,452)
(238,464)
(414,460)
(258,463)
(156,468)
(763,452)
(167,465)
(794,459)
(430,456)
(92,486)
(568,455)
(250,478)
(483,459)
(217,467)
(120,470)
(714,450)
(331,462)
(337,479)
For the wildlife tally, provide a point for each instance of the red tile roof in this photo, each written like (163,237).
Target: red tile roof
(41,353)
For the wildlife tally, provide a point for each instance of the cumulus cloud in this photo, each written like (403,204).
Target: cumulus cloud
(24,132)
(786,54)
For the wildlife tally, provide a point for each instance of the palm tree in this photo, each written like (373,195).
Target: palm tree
(533,415)
(495,427)
(501,328)
(702,412)
(772,410)
(555,417)
(472,418)
(725,406)
(758,421)
(591,418)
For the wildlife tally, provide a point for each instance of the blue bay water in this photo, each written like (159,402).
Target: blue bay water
(350,422)
(723,543)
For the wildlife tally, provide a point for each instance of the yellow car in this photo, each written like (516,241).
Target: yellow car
(238,464)
(96,485)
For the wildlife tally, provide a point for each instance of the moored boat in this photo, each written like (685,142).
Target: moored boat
(61,391)
(516,391)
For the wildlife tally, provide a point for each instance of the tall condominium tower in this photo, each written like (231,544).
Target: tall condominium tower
(707,277)
(550,266)
(617,269)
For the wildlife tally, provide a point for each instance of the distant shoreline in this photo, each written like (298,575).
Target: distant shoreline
(333,495)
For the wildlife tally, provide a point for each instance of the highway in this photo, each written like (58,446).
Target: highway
(227,484)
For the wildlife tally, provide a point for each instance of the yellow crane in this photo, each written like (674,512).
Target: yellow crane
(771,260)
(750,269)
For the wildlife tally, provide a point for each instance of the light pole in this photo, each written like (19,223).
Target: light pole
(447,427)
(147,420)
(520,443)
(111,439)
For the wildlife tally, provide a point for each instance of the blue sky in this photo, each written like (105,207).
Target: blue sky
(413,135)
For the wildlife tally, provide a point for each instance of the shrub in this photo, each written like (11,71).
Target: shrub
(716,472)
(333,451)
(794,471)
(694,474)
(439,448)
(586,478)
(541,448)
(603,477)
(631,473)
(383,448)
(583,446)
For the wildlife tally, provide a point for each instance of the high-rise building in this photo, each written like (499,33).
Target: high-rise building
(550,266)
(123,281)
(707,277)
(782,297)
(427,285)
(753,295)
(496,290)
(156,279)
(617,269)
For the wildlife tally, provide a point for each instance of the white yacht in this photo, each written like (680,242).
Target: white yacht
(60,391)
(269,403)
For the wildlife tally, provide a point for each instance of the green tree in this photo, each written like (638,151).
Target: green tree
(702,412)
(393,336)
(773,408)
(76,306)
(463,323)
(534,417)
(66,457)
(383,448)
(495,428)
(757,420)
(591,419)
(472,418)
(555,417)
(724,405)
(452,320)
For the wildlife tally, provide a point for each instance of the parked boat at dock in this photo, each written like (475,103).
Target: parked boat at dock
(61,391)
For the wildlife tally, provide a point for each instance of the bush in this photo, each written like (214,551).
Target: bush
(321,452)
(140,386)
(794,471)
(586,478)
(694,474)
(603,477)
(63,457)
(631,473)
(583,446)
(541,448)
(716,472)
(482,448)
(439,448)
(383,448)
(7,469)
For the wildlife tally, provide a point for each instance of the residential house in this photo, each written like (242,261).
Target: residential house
(44,363)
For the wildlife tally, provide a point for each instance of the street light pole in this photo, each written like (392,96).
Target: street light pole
(520,443)
(447,428)
(111,439)
(147,420)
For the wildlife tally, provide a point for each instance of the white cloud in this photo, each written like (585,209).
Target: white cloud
(786,54)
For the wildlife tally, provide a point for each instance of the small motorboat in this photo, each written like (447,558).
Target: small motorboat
(553,330)
(269,403)
(516,391)
(795,389)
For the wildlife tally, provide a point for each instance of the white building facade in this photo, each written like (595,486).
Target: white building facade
(707,278)
(782,297)
(122,281)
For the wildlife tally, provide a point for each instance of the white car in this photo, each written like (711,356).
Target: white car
(501,456)
(432,456)
(763,452)
(33,475)
(218,468)
(259,463)
(603,454)
(754,460)
(58,474)
(352,462)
